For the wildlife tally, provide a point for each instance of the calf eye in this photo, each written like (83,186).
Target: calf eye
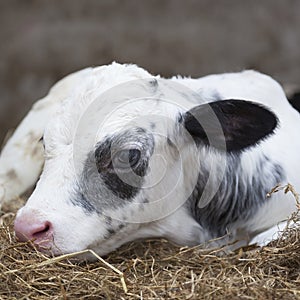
(126,159)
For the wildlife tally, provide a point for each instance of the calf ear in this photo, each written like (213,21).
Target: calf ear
(234,124)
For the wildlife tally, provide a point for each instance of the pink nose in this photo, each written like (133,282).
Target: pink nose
(29,228)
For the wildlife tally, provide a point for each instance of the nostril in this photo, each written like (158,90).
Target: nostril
(42,231)
(30,229)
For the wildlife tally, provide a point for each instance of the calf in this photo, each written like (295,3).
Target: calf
(126,155)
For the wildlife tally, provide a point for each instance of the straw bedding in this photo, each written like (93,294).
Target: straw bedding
(152,269)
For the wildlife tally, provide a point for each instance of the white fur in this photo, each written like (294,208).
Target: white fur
(57,116)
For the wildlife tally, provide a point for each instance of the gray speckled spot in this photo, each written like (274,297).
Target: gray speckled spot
(108,220)
(170,143)
(121,225)
(79,199)
(141,206)
(153,84)
(100,187)
(11,174)
(111,231)
(237,200)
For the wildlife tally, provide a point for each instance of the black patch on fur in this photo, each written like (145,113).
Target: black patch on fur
(244,124)
(119,187)
(295,100)
(114,179)
(99,187)
(236,200)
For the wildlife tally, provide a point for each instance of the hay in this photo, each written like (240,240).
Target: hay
(153,269)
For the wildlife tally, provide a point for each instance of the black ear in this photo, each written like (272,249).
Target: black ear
(234,124)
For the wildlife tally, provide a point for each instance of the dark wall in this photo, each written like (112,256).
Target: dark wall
(43,40)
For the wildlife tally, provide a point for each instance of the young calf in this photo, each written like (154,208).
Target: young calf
(128,155)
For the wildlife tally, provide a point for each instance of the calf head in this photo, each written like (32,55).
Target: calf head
(120,162)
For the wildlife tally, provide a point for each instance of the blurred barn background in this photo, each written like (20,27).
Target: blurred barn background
(43,40)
